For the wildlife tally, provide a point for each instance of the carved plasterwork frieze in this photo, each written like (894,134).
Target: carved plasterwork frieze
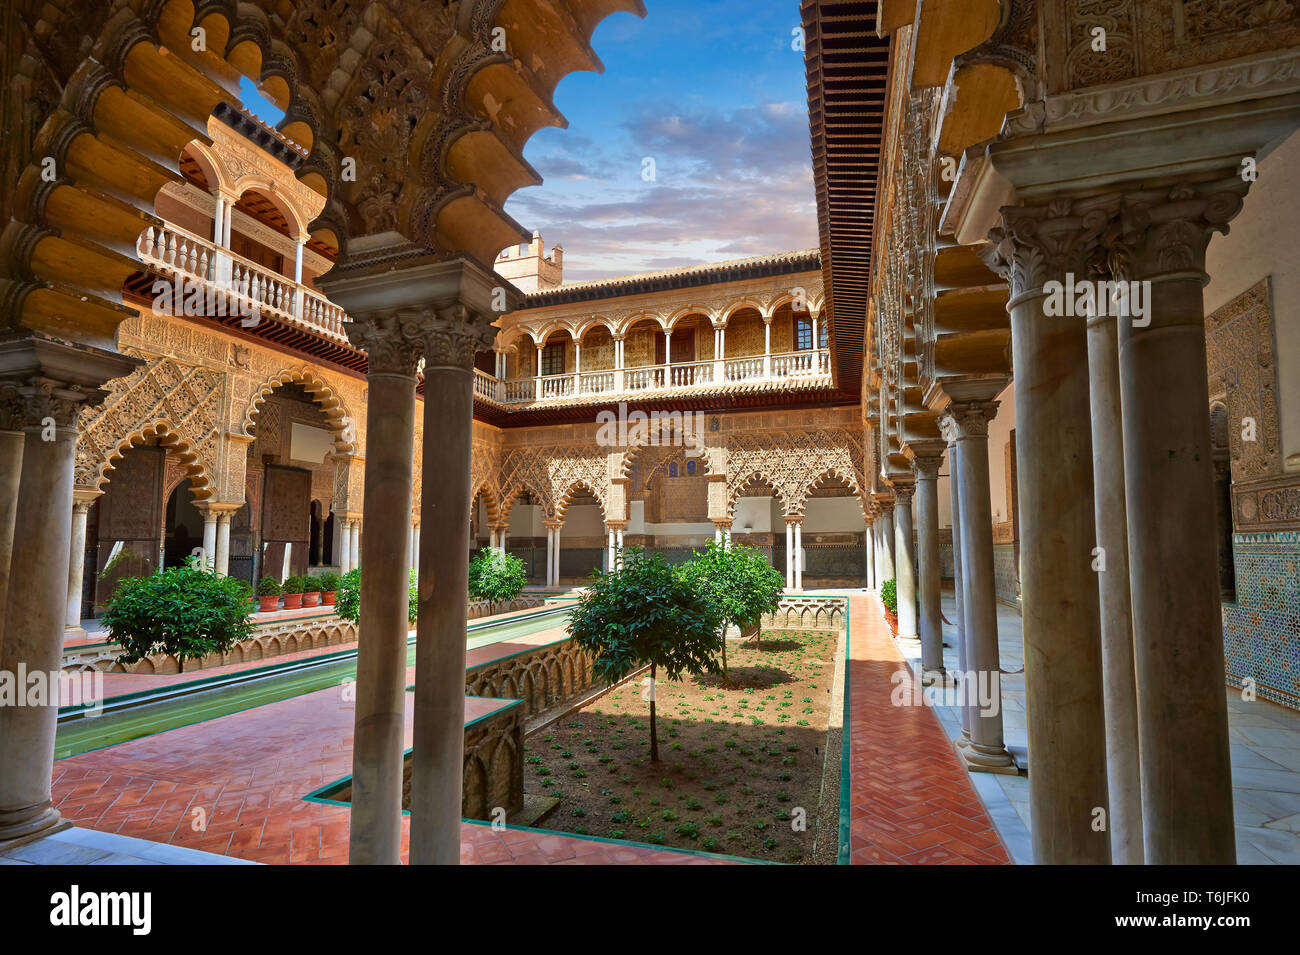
(1243,372)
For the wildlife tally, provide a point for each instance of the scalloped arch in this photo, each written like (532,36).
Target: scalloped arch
(330,402)
(170,437)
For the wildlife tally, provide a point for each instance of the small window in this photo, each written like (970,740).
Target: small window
(802,334)
(672,469)
(690,468)
(821,335)
(553,359)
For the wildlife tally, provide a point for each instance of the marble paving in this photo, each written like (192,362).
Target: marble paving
(1265,741)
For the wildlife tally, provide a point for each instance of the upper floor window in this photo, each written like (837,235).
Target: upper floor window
(690,468)
(803,334)
(553,359)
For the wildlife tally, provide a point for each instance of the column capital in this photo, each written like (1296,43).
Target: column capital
(903,491)
(615,526)
(554,523)
(1161,232)
(45,380)
(1044,242)
(926,457)
(967,419)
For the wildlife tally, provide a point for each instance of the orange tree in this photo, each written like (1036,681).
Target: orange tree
(740,582)
(647,612)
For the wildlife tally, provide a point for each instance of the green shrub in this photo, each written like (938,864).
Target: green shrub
(889,595)
(269,587)
(328,581)
(293,584)
(310,584)
(646,612)
(184,611)
(740,582)
(496,576)
(347,601)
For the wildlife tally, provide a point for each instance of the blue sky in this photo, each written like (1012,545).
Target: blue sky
(712,91)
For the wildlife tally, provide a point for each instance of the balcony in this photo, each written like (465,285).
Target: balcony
(240,287)
(794,370)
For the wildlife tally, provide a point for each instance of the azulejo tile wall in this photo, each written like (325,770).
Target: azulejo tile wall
(1006,573)
(1261,631)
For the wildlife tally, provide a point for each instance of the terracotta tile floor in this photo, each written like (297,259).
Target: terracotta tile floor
(243,776)
(911,799)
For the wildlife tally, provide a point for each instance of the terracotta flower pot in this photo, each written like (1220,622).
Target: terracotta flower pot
(892,618)
(311,599)
(327,598)
(292,601)
(268,604)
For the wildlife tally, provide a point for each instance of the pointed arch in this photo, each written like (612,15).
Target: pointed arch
(737,487)
(843,475)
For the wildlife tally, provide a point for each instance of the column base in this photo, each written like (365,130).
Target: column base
(939,677)
(963,740)
(909,643)
(75,632)
(32,822)
(983,760)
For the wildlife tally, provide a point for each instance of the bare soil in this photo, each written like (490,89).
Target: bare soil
(740,765)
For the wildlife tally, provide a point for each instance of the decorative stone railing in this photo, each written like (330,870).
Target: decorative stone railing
(486,608)
(542,677)
(808,613)
(273,638)
(796,369)
(240,286)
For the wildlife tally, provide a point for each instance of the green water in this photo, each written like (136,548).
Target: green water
(268,684)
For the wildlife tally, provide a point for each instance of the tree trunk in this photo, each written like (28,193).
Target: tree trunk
(725,679)
(654,736)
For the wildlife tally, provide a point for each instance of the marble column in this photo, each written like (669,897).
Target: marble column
(43,386)
(1061,619)
(354,543)
(1169,491)
(887,539)
(987,751)
(223,543)
(798,554)
(958,583)
(789,554)
(415,547)
(343,542)
(77,562)
(869,546)
(209,538)
(1119,681)
(609,556)
(925,465)
(437,759)
(379,728)
(11,465)
(904,562)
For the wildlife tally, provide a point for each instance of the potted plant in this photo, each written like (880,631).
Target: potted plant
(889,597)
(268,594)
(311,590)
(329,585)
(292,592)
(185,612)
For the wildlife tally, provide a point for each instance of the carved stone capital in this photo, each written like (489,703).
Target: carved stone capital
(393,341)
(970,419)
(1163,232)
(454,334)
(38,401)
(926,466)
(903,492)
(1041,243)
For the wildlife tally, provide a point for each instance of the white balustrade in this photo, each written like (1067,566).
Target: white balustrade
(596,382)
(557,386)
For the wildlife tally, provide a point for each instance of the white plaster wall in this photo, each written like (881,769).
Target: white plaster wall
(583,520)
(1262,241)
(753,516)
(999,434)
(635,518)
(837,515)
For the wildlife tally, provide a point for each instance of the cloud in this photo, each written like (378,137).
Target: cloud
(727,184)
